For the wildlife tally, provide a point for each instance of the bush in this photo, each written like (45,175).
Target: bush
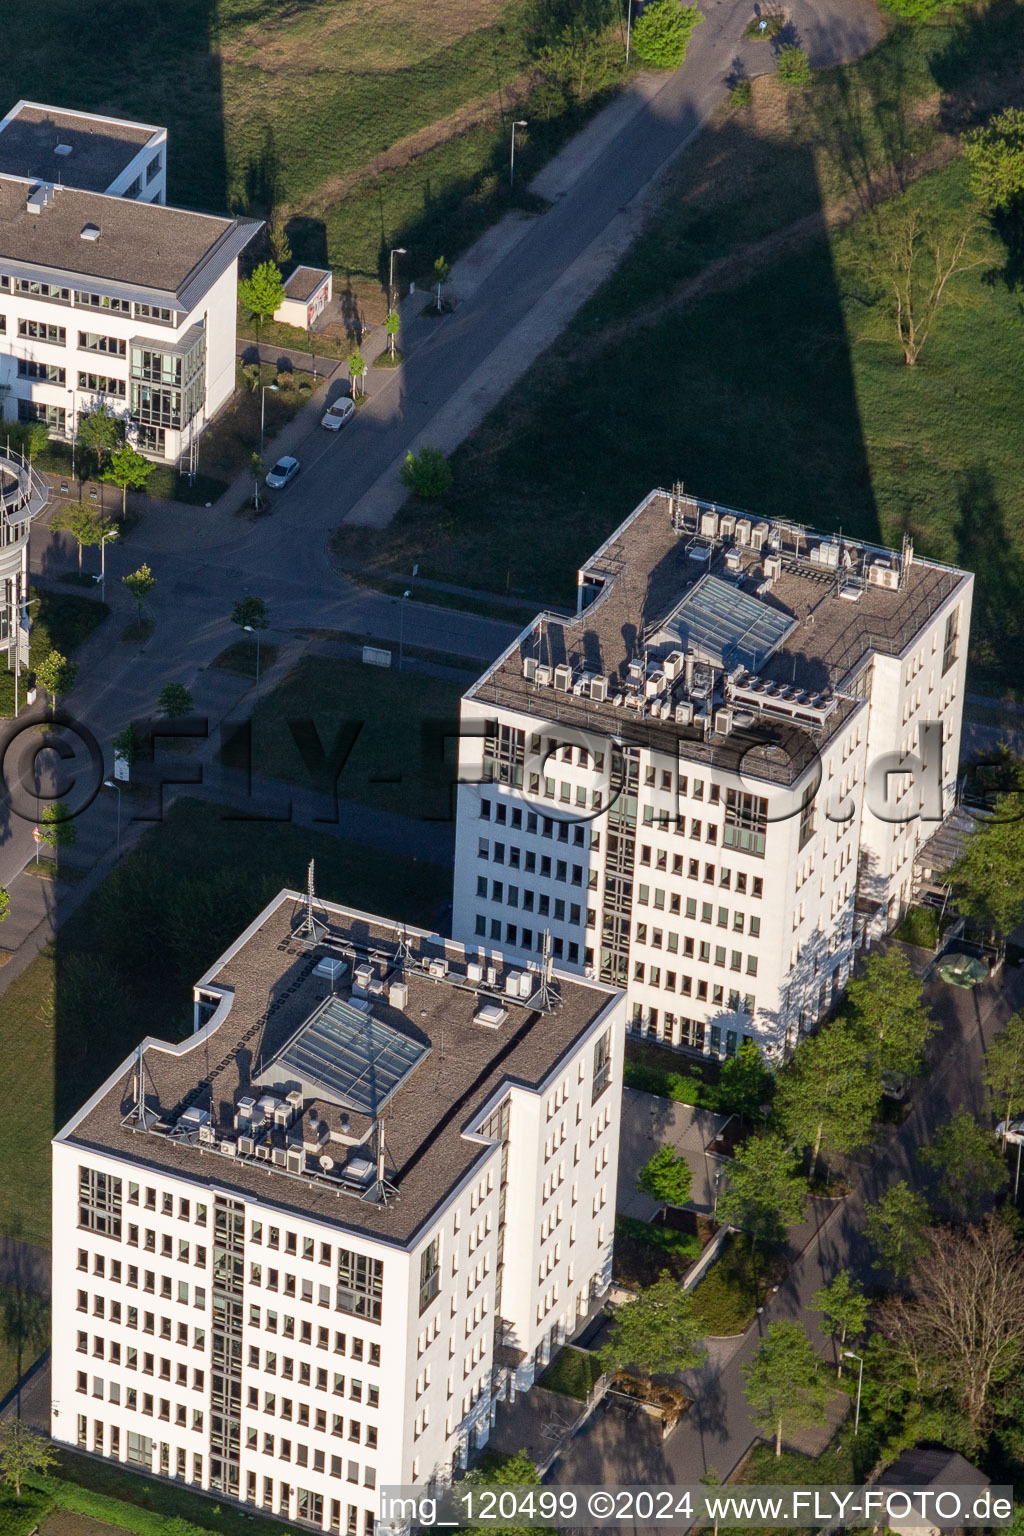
(741,94)
(920,927)
(794,65)
(919,10)
(427,474)
(662,34)
(682,1244)
(689,1088)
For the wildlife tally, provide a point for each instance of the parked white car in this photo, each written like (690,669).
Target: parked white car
(339,414)
(283,473)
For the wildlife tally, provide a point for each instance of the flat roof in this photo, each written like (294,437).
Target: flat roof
(271,978)
(304,282)
(100,147)
(145,245)
(648,587)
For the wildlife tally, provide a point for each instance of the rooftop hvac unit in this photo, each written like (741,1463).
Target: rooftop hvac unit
(282,1115)
(653,684)
(618,700)
(733,560)
(492,975)
(723,721)
(530,668)
(563,677)
(279,1157)
(246,1146)
(376,987)
(672,665)
(512,984)
(525,984)
(294,1098)
(361,978)
(656,708)
(882,575)
(296,1160)
(228,1148)
(398,994)
(758,534)
(742,719)
(727,525)
(437,967)
(636,671)
(743,530)
(709,524)
(194,1119)
(491,1015)
(474,972)
(684,713)
(207,1134)
(542,676)
(599,689)
(330,968)
(263,1152)
(772,567)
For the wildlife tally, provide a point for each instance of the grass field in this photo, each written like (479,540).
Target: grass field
(777,386)
(123,966)
(393,765)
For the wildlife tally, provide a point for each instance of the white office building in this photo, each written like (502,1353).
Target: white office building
(108,296)
(675,781)
(298,1256)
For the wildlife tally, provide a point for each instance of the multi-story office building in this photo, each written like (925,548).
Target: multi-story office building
(704,784)
(297,1256)
(108,296)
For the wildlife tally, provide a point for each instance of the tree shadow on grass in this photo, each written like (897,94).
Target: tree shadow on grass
(984,546)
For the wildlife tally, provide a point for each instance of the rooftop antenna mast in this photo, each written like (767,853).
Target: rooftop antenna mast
(403,953)
(311,929)
(381,1191)
(547,994)
(139,1118)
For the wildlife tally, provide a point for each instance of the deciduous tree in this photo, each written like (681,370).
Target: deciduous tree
(745,1082)
(392,325)
(140,584)
(22,1452)
(663,32)
(784,1382)
(250,613)
(987,879)
(896,1227)
(995,155)
(1004,1069)
(910,257)
(56,674)
(85,525)
(967,1160)
(100,431)
(175,701)
(356,371)
(427,473)
(827,1095)
(765,1193)
(888,1012)
(666,1177)
(844,1310)
(655,1332)
(262,292)
(58,828)
(442,272)
(128,469)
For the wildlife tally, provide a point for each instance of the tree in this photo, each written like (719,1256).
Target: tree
(356,370)
(86,526)
(896,1228)
(58,829)
(968,1162)
(657,1332)
(175,701)
(262,293)
(745,1082)
(1004,1068)
(765,1193)
(140,584)
(662,34)
(280,245)
(442,272)
(844,1309)
(962,1328)
(910,258)
(666,1177)
(516,1471)
(250,613)
(100,431)
(23,1451)
(793,65)
(427,474)
(392,325)
(129,469)
(5,904)
(887,1010)
(56,674)
(34,438)
(784,1384)
(995,155)
(129,745)
(987,879)
(827,1096)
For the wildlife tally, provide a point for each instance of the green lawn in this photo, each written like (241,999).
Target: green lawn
(123,965)
(572,1372)
(21,1311)
(725,1298)
(400,761)
(783,392)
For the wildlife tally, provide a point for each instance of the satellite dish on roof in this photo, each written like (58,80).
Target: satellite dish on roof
(327,1162)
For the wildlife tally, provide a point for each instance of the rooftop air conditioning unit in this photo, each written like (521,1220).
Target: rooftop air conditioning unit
(282,1115)
(733,560)
(263,1152)
(512,984)
(727,525)
(525,984)
(228,1148)
(672,665)
(361,978)
(474,972)
(599,689)
(530,668)
(882,575)
(723,721)
(246,1146)
(563,677)
(398,994)
(542,676)
(684,713)
(772,567)
(296,1160)
(492,975)
(653,684)
(743,530)
(437,967)
(279,1157)
(758,534)
(709,524)
(294,1098)
(207,1134)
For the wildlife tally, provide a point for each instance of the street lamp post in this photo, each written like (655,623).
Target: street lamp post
(114,785)
(401,629)
(263,409)
(860,1382)
(103,561)
(399,250)
(518,123)
(629,26)
(251,631)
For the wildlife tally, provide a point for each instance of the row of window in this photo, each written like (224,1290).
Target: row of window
(526,859)
(311,1418)
(544,905)
(694,1034)
(83,299)
(309,1506)
(111,1350)
(139,1449)
(114,1309)
(136,1401)
(657,937)
(525,938)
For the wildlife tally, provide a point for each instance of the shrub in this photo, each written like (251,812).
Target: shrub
(794,65)
(682,1244)
(741,94)
(427,473)
(662,34)
(919,10)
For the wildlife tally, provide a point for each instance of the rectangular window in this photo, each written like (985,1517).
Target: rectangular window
(99,1202)
(360,1285)
(36,290)
(101,301)
(90,341)
(430,1273)
(602,1065)
(746,819)
(55,416)
(102,384)
(46,373)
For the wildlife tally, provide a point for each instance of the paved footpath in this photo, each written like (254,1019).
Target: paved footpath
(717,1431)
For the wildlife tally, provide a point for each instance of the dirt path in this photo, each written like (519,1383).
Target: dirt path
(331,192)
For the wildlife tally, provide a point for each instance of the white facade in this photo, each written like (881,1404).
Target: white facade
(347,1378)
(724,932)
(108,297)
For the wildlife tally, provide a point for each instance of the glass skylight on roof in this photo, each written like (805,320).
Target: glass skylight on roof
(726,626)
(347,1057)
